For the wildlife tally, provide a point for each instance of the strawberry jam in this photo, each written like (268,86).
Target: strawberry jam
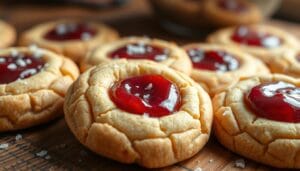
(14,67)
(150,95)
(140,51)
(279,101)
(232,5)
(248,36)
(213,60)
(71,31)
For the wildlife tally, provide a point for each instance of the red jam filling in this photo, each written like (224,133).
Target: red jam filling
(150,95)
(71,31)
(140,51)
(232,5)
(16,67)
(213,60)
(277,101)
(248,36)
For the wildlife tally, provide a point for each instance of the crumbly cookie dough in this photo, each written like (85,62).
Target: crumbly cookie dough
(39,98)
(74,49)
(239,129)
(176,57)
(214,81)
(151,142)
(289,42)
(7,36)
(288,64)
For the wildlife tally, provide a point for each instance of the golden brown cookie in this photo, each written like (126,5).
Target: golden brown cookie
(33,83)
(288,64)
(8,35)
(222,13)
(139,112)
(262,41)
(218,67)
(69,37)
(137,48)
(259,118)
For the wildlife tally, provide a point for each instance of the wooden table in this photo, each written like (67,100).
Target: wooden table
(64,152)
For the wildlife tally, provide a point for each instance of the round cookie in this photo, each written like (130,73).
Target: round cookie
(262,41)
(223,13)
(288,63)
(33,83)
(7,36)
(164,128)
(69,37)
(259,118)
(217,67)
(137,48)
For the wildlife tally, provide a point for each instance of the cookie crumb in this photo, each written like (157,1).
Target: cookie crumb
(12,66)
(18,137)
(146,115)
(14,53)
(198,169)
(210,161)
(240,163)
(4,146)
(42,153)
(160,57)
(2,60)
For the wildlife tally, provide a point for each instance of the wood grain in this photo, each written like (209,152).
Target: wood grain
(65,151)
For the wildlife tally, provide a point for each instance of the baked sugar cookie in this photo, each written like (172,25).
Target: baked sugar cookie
(7,35)
(288,63)
(262,41)
(259,118)
(139,112)
(231,12)
(33,83)
(217,67)
(69,37)
(137,48)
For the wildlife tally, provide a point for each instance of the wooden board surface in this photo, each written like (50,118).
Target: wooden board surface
(64,152)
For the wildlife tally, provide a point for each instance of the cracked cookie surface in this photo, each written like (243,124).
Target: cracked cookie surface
(37,98)
(64,37)
(238,128)
(130,138)
(218,79)
(139,48)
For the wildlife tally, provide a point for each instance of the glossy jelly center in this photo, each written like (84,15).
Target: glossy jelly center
(15,67)
(149,95)
(248,36)
(279,101)
(140,51)
(213,60)
(71,31)
(232,5)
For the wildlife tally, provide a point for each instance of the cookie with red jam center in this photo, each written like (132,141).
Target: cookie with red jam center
(128,109)
(71,38)
(33,83)
(140,48)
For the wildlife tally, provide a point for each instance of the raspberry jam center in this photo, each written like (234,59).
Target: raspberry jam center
(140,51)
(232,5)
(150,95)
(14,67)
(71,31)
(248,36)
(279,101)
(213,60)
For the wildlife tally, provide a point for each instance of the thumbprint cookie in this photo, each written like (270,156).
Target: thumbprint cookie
(137,48)
(217,67)
(231,12)
(259,118)
(139,112)
(33,83)
(69,37)
(288,64)
(7,35)
(262,41)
